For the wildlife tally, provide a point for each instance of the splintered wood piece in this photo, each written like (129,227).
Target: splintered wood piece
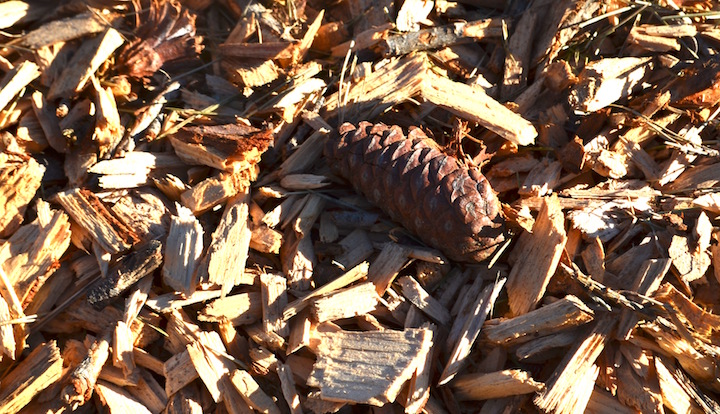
(86,209)
(647,281)
(346,303)
(49,122)
(123,356)
(182,252)
(298,261)
(385,267)
(605,81)
(250,72)
(477,106)
(703,322)
(43,366)
(363,40)
(7,339)
(353,275)
(676,393)
(708,202)
(265,240)
(368,367)
(441,36)
(31,254)
(128,270)
(269,340)
(108,129)
(691,263)
(298,182)
(414,292)
(540,252)
(303,223)
(144,210)
(420,383)
(132,170)
(251,392)
(356,248)
(382,88)
(499,384)
(232,147)
(149,392)
(15,80)
(88,58)
(305,156)
(546,347)
(215,190)
(638,392)
(185,401)
(470,330)
(145,360)
(703,176)
(562,314)
(287,384)
(83,378)
(264,51)
(212,368)
(119,400)
(181,331)
(19,12)
(66,29)
(541,180)
(264,361)
(570,386)
(173,300)
(228,250)
(178,371)
(519,53)
(239,309)
(300,332)
(274,300)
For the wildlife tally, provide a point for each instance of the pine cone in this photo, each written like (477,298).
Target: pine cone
(447,205)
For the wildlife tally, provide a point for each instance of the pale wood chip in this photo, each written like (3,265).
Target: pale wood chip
(14,81)
(368,367)
(499,384)
(182,252)
(31,376)
(541,252)
(564,313)
(88,58)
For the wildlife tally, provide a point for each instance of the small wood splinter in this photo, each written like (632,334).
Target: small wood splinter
(449,206)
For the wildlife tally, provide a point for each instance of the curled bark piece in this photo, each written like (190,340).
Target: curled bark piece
(446,204)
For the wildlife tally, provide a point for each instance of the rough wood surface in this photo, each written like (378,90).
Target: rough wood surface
(368,367)
(585,129)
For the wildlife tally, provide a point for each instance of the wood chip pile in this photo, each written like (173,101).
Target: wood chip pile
(180,230)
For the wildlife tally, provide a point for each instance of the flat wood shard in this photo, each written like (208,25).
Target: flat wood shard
(86,209)
(540,254)
(499,384)
(84,63)
(42,367)
(182,252)
(228,251)
(368,367)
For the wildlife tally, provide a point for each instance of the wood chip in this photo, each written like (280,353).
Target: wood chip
(499,384)
(368,367)
(112,234)
(88,58)
(538,260)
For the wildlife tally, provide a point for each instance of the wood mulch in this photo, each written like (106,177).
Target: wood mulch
(400,206)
